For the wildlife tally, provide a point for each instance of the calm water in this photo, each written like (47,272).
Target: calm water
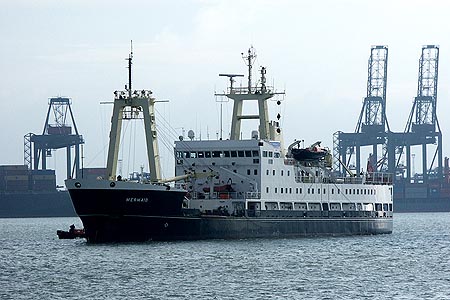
(411,263)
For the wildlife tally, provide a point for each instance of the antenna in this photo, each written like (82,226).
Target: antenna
(231,77)
(130,58)
(250,59)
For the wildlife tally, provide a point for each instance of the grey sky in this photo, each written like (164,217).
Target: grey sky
(316,50)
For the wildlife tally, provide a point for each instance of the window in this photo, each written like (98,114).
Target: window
(179,154)
(255,153)
(255,172)
(281,189)
(248,171)
(318,191)
(226,153)
(300,190)
(332,191)
(256,160)
(273,172)
(187,154)
(233,153)
(275,190)
(207,154)
(324,191)
(241,154)
(248,153)
(290,190)
(276,155)
(264,153)
(267,190)
(193,154)
(216,154)
(201,154)
(288,173)
(308,191)
(281,172)
(270,154)
(267,172)
(296,190)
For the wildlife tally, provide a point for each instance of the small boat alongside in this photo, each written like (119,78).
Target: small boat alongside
(73,233)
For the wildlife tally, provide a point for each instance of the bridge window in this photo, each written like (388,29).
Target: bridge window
(187,154)
(248,153)
(201,154)
(241,154)
(216,154)
(233,153)
(255,153)
(208,154)
(226,153)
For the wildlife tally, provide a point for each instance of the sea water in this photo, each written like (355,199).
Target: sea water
(411,263)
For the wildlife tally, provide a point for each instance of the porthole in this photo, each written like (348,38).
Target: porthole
(112,184)
(77,184)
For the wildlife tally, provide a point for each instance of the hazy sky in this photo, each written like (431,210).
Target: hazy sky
(316,50)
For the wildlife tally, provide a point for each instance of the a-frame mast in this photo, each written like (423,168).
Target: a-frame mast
(260,93)
(133,105)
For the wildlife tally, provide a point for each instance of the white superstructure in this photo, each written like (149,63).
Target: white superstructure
(261,176)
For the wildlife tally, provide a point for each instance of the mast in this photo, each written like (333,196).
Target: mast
(133,105)
(267,130)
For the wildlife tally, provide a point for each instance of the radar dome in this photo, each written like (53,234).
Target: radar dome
(191,134)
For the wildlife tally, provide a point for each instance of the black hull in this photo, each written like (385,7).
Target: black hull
(103,229)
(115,214)
(36,204)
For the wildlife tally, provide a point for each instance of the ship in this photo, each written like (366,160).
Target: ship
(227,188)
(28,193)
